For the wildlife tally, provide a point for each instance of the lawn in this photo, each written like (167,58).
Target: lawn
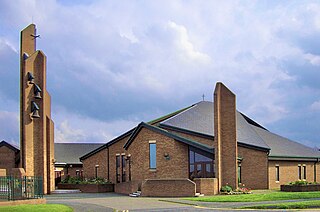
(40,207)
(270,196)
(287,205)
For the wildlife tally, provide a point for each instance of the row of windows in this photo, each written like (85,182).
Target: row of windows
(123,168)
(302,172)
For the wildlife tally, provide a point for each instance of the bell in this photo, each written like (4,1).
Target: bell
(30,78)
(35,114)
(37,91)
(37,95)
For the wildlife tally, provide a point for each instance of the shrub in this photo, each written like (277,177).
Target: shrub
(302,182)
(78,180)
(226,188)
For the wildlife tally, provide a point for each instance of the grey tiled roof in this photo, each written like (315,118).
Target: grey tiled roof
(70,152)
(200,118)
(283,147)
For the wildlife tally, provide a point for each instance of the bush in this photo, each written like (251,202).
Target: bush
(302,182)
(78,180)
(226,188)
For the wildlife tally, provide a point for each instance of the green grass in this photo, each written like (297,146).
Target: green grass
(287,205)
(40,207)
(271,196)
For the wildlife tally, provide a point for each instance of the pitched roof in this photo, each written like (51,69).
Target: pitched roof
(168,134)
(200,119)
(10,146)
(70,152)
(283,147)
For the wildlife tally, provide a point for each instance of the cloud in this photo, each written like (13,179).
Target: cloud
(315,106)
(115,64)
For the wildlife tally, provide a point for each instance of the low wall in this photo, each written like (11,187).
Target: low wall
(127,187)
(168,188)
(3,172)
(207,186)
(22,202)
(88,188)
(299,188)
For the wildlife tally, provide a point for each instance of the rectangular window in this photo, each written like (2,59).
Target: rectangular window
(299,172)
(118,168)
(153,155)
(123,163)
(304,172)
(239,173)
(277,173)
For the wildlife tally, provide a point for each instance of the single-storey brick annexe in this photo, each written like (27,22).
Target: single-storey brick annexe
(201,148)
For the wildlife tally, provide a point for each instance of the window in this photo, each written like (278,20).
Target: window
(152,155)
(239,172)
(277,173)
(123,163)
(304,172)
(96,170)
(201,164)
(299,172)
(118,168)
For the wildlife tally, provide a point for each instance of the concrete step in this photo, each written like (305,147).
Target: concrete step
(65,191)
(199,195)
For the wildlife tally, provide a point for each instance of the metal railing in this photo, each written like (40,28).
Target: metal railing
(12,188)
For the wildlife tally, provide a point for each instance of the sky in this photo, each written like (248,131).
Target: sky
(113,64)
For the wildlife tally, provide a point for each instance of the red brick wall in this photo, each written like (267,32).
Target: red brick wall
(7,158)
(101,159)
(225,140)
(289,172)
(114,149)
(176,167)
(127,187)
(168,187)
(207,186)
(254,168)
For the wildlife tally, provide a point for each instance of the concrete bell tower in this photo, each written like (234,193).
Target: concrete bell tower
(36,126)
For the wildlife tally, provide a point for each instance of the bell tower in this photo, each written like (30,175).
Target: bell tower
(36,126)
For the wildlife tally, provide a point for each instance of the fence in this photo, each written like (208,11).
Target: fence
(12,188)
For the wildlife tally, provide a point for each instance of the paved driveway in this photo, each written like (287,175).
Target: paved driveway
(84,202)
(105,202)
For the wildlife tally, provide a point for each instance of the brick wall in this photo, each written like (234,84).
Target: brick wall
(207,186)
(168,187)
(114,149)
(7,158)
(127,187)
(225,140)
(89,164)
(176,167)
(254,168)
(3,172)
(289,172)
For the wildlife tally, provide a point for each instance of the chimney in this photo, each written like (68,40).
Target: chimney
(225,136)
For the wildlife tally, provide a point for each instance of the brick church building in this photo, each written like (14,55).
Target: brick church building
(200,149)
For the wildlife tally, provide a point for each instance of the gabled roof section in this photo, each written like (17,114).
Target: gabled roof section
(10,146)
(168,134)
(197,118)
(70,152)
(200,119)
(115,140)
(165,117)
(283,147)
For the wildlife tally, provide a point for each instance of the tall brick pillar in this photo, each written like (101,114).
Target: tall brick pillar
(36,126)
(225,136)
